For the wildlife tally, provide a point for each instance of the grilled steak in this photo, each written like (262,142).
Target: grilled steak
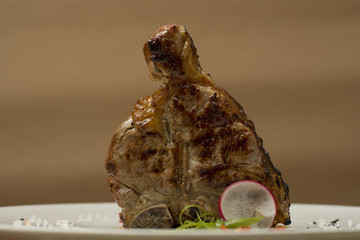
(185,143)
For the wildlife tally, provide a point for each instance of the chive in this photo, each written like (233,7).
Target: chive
(206,220)
(242,222)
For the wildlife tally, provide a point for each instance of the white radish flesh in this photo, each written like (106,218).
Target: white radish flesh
(244,199)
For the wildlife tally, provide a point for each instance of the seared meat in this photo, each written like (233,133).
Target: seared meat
(185,143)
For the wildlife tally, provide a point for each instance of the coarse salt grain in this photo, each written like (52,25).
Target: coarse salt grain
(80,218)
(17,223)
(321,223)
(45,223)
(64,224)
(37,222)
(89,217)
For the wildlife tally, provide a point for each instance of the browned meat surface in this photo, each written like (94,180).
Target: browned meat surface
(185,143)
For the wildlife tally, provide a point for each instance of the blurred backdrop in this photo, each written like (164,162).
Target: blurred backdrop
(72,70)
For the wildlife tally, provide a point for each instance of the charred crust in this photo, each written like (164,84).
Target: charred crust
(242,116)
(178,105)
(278,182)
(235,141)
(213,115)
(110,167)
(203,172)
(208,139)
(207,174)
(112,186)
(157,165)
(163,151)
(151,151)
(193,91)
(186,88)
(163,53)
(224,132)
(219,167)
(238,140)
(206,142)
(286,188)
(148,153)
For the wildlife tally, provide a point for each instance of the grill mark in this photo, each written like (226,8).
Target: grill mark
(206,142)
(146,154)
(213,115)
(157,166)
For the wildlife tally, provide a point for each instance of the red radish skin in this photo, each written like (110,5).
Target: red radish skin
(246,182)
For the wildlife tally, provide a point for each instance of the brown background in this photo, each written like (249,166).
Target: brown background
(71,71)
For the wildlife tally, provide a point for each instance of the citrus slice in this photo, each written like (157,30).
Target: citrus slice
(246,199)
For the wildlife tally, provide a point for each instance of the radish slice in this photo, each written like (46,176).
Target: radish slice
(244,199)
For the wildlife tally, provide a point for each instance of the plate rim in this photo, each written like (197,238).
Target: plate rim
(132,234)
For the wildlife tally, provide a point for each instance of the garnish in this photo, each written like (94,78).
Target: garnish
(248,198)
(207,220)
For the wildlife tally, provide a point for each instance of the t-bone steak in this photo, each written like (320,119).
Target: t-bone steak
(185,143)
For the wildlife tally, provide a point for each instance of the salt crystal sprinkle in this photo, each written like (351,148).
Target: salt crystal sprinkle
(17,223)
(65,224)
(37,222)
(333,225)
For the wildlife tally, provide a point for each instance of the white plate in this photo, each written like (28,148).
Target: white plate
(100,221)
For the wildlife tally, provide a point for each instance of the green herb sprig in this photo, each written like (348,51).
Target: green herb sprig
(206,220)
